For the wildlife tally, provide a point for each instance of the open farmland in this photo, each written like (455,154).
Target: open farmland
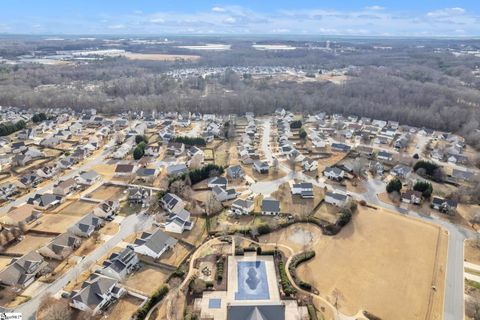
(160,57)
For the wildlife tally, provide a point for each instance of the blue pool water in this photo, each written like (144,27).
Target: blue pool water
(252,281)
(214,303)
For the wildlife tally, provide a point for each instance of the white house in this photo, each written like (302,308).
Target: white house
(335,198)
(240,206)
(270,207)
(334,173)
(304,189)
(179,222)
(154,244)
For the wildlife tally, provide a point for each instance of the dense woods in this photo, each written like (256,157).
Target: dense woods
(412,84)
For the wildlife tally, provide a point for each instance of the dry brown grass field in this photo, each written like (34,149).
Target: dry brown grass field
(29,243)
(146,274)
(380,262)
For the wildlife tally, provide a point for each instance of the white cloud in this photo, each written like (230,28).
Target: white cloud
(218,9)
(117,26)
(375,8)
(446,12)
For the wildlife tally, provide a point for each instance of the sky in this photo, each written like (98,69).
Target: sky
(425,18)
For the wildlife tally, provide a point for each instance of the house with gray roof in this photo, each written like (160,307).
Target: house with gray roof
(154,244)
(88,178)
(334,173)
(87,225)
(177,169)
(120,264)
(235,172)
(172,203)
(61,247)
(240,206)
(23,271)
(223,194)
(335,198)
(96,294)
(260,311)
(179,222)
(270,207)
(46,200)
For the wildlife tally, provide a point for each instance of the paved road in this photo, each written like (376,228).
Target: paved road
(130,224)
(454,282)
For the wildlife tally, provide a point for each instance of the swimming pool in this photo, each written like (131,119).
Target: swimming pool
(252,281)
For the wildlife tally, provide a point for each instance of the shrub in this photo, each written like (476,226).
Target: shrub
(345,217)
(302,134)
(428,166)
(140,138)
(138,153)
(9,128)
(394,185)
(220,269)
(264,229)
(192,141)
(154,299)
(39,117)
(203,173)
(312,312)
(363,203)
(287,287)
(296,124)
(296,261)
(424,187)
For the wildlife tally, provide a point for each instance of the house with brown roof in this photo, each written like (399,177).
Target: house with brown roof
(65,187)
(24,214)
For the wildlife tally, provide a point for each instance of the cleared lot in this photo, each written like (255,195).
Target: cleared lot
(29,243)
(107,193)
(147,275)
(55,222)
(380,262)
(78,208)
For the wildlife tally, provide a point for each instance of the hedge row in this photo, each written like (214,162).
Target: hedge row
(192,141)
(296,260)
(287,287)
(154,299)
(220,268)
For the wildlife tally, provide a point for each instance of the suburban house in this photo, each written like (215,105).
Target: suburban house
(60,247)
(334,173)
(154,244)
(260,166)
(411,196)
(193,151)
(88,178)
(340,147)
(65,187)
(147,174)
(46,200)
(120,264)
(106,209)
(217,181)
(335,198)
(179,222)
(87,225)
(383,155)
(152,151)
(304,189)
(22,272)
(177,169)
(309,164)
(240,206)
(125,170)
(7,190)
(270,207)
(175,149)
(172,203)
(222,194)
(29,180)
(444,205)
(400,171)
(461,175)
(96,293)
(235,172)
(24,214)
(138,195)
